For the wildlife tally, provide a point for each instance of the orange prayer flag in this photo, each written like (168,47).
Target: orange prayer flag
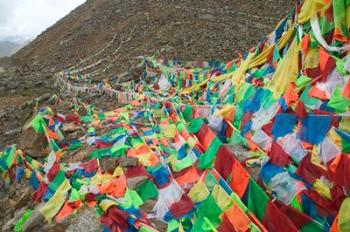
(119,187)
(338,35)
(106,188)
(291,96)
(324,56)
(92,204)
(164,142)
(52,134)
(142,149)
(208,139)
(239,179)
(250,143)
(306,145)
(334,227)
(67,209)
(191,176)
(237,218)
(131,153)
(317,93)
(51,122)
(153,160)
(333,166)
(185,135)
(346,90)
(305,43)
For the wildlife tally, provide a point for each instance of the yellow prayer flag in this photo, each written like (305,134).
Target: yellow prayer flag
(286,72)
(223,200)
(322,189)
(53,206)
(310,8)
(199,192)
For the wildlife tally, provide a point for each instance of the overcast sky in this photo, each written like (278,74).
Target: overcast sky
(25,19)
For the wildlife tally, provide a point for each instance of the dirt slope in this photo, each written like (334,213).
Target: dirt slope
(205,29)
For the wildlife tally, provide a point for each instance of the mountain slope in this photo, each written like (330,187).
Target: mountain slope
(181,29)
(7,48)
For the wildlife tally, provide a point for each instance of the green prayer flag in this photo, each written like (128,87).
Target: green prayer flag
(38,124)
(75,145)
(179,165)
(147,190)
(254,228)
(180,126)
(208,209)
(313,227)
(296,205)
(188,113)
(257,199)
(132,199)
(119,150)
(302,81)
(87,118)
(173,225)
(338,102)
(56,183)
(206,160)
(10,157)
(276,53)
(22,220)
(195,125)
(245,92)
(100,153)
(339,14)
(308,101)
(91,130)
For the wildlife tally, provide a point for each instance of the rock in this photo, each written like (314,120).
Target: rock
(32,143)
(108,165)
(207,17)
(19,213)
(70,127)
(160,225)
(35,220)
(54,227)
(128,161)
(9,225)
(2,190)
(12,85)
(82,154)
(86,220)
(24,198)
(43,98)
(148,206)
(12,132)
(133,182)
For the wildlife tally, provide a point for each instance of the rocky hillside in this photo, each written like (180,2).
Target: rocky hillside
(186,30)
(183,29)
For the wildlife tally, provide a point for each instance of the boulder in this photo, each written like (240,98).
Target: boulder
(36,220)
(135,181)
(108,165)
(32,143)
(70,127)
(128,161)
(86,220)
(82,154)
